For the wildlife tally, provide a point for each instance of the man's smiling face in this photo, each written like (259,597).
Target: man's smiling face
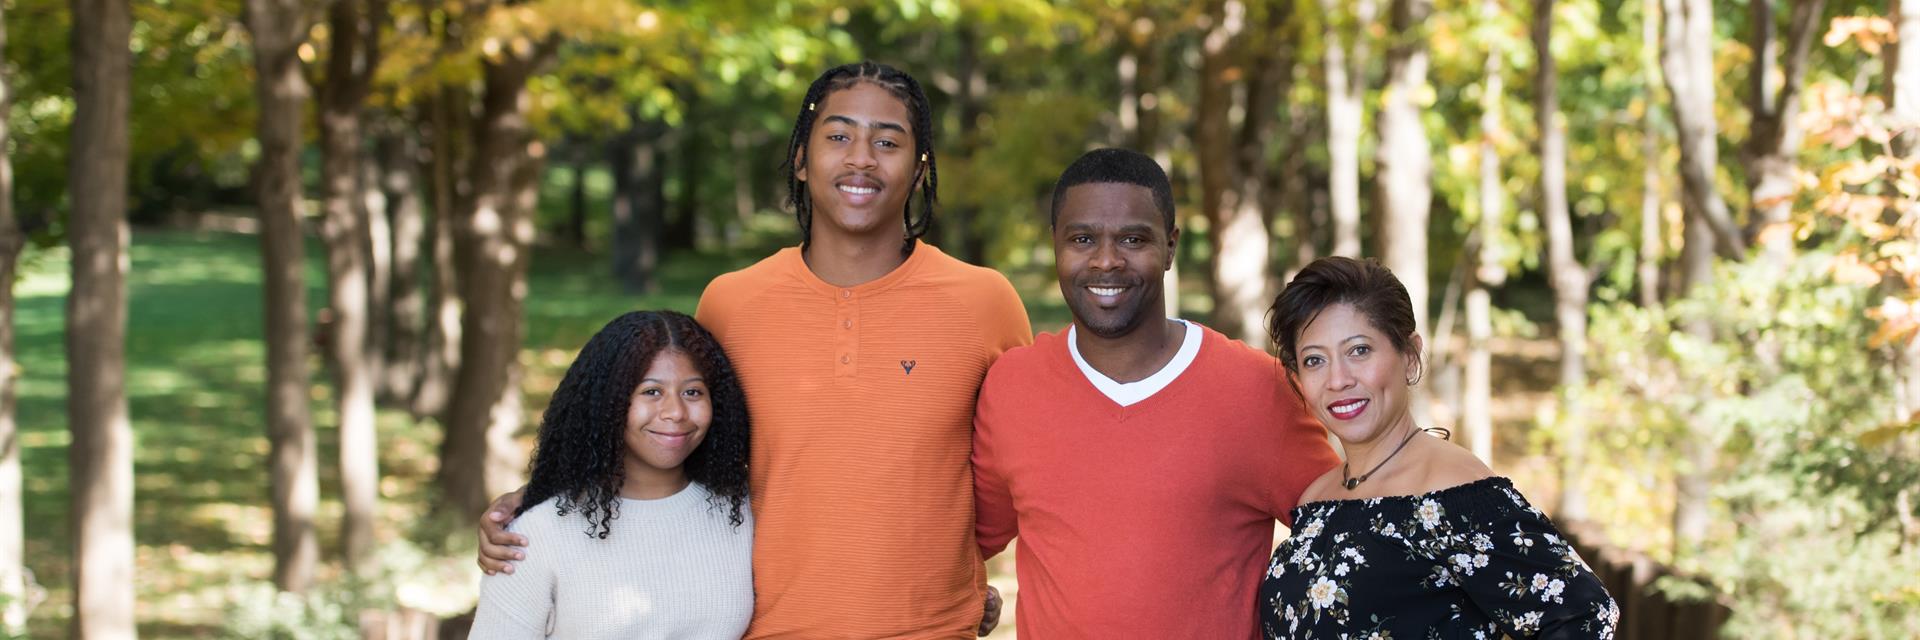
(1110,247)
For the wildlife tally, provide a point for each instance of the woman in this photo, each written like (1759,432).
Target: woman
(1412,537)
(638,496)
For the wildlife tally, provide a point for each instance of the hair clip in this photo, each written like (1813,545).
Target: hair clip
(923,157)
(810,106)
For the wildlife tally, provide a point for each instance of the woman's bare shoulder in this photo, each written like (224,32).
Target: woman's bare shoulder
(1451,465)
(1322,487)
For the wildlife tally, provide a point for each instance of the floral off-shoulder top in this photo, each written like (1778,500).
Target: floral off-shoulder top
(1471,561)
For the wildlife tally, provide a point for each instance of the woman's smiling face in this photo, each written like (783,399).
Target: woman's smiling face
(1351,375)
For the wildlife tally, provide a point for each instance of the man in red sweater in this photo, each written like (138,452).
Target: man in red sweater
(1140,460)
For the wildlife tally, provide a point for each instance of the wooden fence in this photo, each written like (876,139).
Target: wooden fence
(1646,614)
(413,624)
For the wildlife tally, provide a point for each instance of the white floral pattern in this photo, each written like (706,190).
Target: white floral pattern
(1469,561)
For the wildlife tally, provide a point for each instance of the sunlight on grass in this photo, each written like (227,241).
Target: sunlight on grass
(245,524)
(44,274)
(46,439)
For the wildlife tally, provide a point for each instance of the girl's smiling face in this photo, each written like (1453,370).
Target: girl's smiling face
(667,418)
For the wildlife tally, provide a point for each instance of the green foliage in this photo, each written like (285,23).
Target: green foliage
(190,88)
(1028,139)
(7,631)
(402,576)
(258,610)
(1807,544)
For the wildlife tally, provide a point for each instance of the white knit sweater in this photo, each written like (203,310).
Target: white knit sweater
(669,568)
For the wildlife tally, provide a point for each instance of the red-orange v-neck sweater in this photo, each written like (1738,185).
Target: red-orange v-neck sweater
(1153,520)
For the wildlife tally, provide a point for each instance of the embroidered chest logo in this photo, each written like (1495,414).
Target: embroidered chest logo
(907,365)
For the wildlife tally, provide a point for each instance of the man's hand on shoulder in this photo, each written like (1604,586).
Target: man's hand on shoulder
(499,547)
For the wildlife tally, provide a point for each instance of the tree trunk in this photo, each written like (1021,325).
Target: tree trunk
(1269,78)
(278,29)
(399,156)
(1568,275)
(445,119)
(1345,68)
(1652,250)
(961,232)
(1903,74)
(1239,258)
(13,568)
(379,218)
(100,458)
(441,357)
(1300,187)
(1476,403)
(479,456)
(1774,136)
(638,203)
(1903,105)
(353,55)
(1288,200)
(1693,484)
(1144,92)
(577,198)
(1137,70)
(1150,139)
(744,179)
(681,230)
(1686,59)
(1404,166)
(1127,70)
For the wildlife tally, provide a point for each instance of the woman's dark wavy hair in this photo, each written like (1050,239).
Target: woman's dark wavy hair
(1369,286)
(902,86)
(578,459)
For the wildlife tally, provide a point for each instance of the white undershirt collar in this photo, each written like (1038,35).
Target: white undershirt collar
(1129,393)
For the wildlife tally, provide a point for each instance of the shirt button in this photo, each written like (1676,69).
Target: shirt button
(846,359)
(846,293)
(847,323)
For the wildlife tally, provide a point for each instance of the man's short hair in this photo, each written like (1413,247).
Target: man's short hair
(1110,166)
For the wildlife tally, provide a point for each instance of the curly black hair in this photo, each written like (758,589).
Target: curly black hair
(902,86)
(578,459)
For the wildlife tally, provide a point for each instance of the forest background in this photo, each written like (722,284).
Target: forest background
(287,283)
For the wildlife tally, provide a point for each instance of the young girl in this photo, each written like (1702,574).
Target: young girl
(638,496)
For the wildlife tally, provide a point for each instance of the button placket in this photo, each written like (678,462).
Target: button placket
(846,334)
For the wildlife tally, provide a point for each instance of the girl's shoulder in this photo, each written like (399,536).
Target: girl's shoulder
(544,518)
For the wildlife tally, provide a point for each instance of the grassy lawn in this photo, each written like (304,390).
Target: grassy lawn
(195,385)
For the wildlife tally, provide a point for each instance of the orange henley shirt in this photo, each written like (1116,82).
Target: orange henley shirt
(862,401)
